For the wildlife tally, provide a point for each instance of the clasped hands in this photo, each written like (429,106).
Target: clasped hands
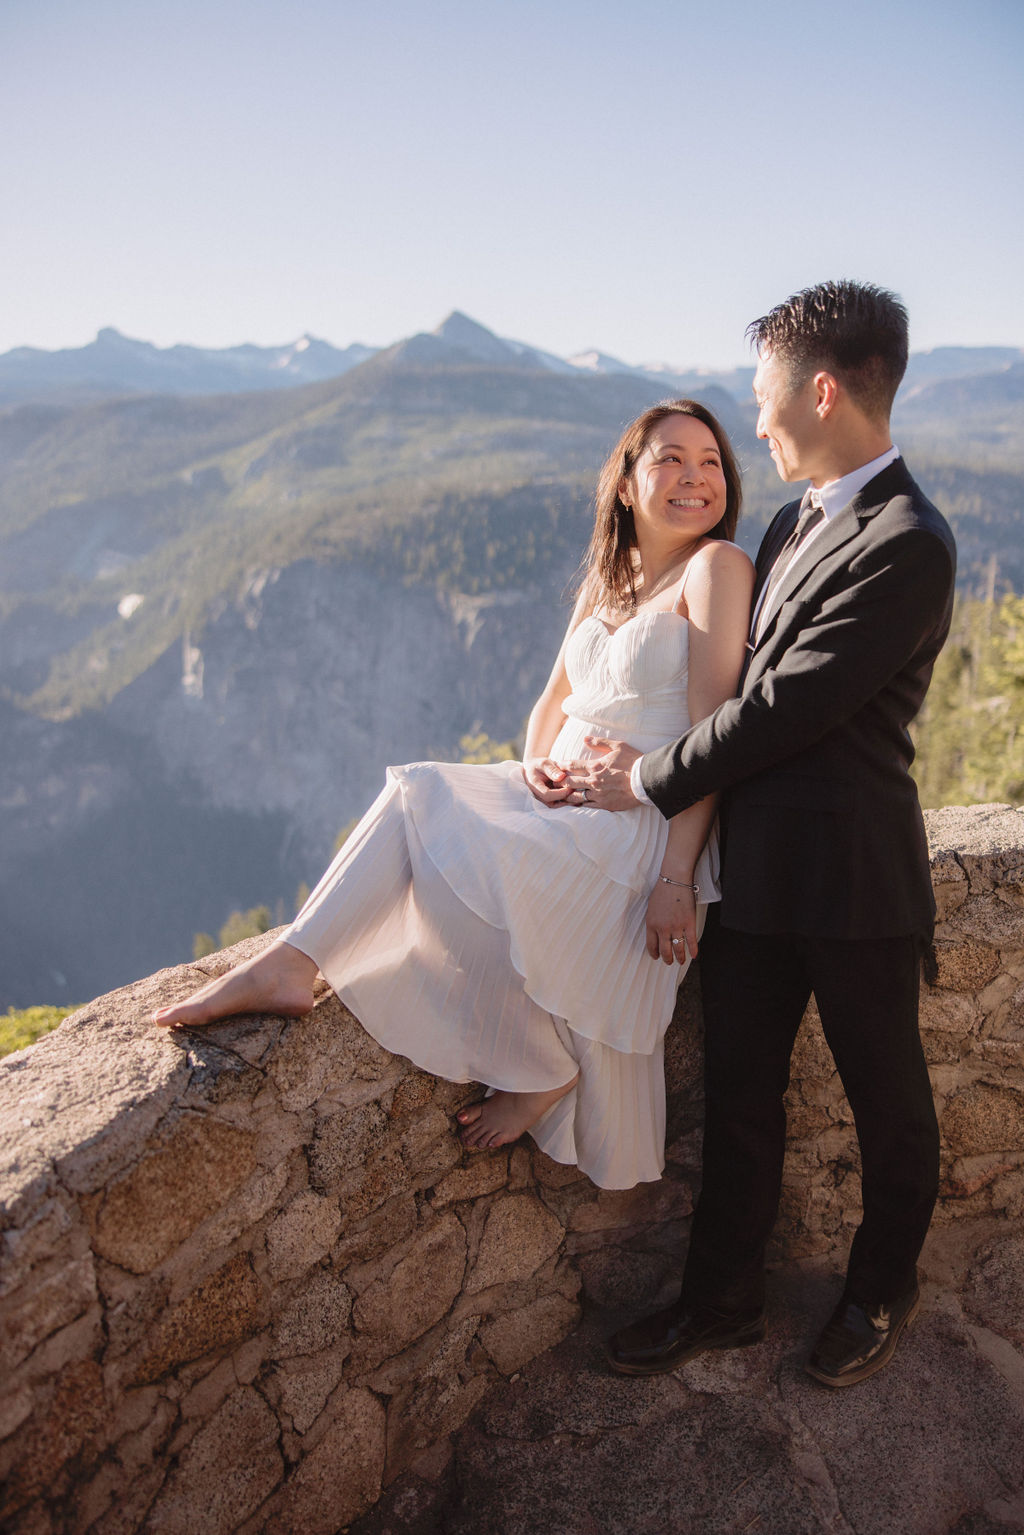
(603,783)
(671,927)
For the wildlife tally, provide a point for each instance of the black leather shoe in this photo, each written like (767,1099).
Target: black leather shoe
(669,1338)
(859,1339)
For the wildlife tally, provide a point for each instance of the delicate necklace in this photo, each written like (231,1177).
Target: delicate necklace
(670,576)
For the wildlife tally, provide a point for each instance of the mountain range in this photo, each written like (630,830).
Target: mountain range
(223,612)
(118,364)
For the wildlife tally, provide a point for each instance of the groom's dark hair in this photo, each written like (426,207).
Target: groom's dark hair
(855,331)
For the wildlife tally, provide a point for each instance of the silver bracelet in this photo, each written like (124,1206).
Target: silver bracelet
(682,883)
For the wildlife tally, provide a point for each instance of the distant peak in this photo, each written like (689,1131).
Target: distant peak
(591,359)
(596,361)
(110,337)
(473,339)
(458,327)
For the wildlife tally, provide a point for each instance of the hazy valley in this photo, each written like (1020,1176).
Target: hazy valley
(232,591)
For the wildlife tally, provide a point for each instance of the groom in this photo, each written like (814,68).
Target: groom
(825,875)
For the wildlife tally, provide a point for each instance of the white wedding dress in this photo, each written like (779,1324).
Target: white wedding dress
(490,938)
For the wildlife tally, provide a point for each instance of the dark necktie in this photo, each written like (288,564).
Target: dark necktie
(811,513)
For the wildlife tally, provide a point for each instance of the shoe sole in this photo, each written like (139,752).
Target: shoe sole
(742,1339)
(881,1359)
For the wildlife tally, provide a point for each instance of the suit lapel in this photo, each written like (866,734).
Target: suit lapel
(771,545)
(838,530)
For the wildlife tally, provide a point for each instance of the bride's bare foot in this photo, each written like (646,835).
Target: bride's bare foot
(504,1117)
(280,980)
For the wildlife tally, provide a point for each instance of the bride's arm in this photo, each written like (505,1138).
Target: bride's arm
(544,778)
(717,592)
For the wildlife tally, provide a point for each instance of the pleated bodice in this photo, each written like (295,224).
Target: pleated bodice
(630,685)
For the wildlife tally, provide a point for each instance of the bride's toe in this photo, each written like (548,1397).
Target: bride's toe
(478,1135)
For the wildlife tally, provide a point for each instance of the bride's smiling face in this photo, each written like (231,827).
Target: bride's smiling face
(677,485)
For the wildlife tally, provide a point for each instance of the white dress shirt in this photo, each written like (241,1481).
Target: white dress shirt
(833,497)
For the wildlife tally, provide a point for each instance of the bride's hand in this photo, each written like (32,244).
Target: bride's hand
(546,780)
(672,915)
(606,779)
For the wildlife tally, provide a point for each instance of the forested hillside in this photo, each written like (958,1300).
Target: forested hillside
(970,734)
(221,616)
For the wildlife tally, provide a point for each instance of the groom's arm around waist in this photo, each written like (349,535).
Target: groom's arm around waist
(846,645)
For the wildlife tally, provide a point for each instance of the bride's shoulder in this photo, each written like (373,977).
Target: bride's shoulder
(719,579)
(717,562)
(720,554)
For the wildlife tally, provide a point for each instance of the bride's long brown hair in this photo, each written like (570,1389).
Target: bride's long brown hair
(610,564)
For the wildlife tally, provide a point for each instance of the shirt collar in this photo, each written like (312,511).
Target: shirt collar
(839,493)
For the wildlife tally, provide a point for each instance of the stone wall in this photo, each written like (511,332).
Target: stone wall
(249,1276)
(972,1025)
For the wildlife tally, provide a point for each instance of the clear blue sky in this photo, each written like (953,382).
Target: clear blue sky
(644,178)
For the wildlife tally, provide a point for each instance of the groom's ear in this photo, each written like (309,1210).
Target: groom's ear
(826,393)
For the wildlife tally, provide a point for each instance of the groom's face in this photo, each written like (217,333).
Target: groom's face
(787,418)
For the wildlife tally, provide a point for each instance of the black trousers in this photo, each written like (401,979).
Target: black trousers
(755,990)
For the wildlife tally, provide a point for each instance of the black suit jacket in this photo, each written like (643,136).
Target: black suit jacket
(822,829)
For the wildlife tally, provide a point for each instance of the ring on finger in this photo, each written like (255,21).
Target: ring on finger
(674,941)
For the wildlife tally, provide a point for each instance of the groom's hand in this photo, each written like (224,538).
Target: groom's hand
(607,782)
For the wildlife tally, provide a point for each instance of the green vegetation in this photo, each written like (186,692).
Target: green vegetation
(240,924)
(244,924)
(480,748)
(970,734)
(339,842)
(22,1027)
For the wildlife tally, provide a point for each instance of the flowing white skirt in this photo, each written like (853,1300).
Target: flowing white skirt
(490,938)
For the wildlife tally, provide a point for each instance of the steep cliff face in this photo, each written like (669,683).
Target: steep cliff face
(295,698)
(221,776)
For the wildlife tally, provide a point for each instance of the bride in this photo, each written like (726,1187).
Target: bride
(487,923)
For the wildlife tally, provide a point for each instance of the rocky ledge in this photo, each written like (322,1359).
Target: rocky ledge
(249,1281)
